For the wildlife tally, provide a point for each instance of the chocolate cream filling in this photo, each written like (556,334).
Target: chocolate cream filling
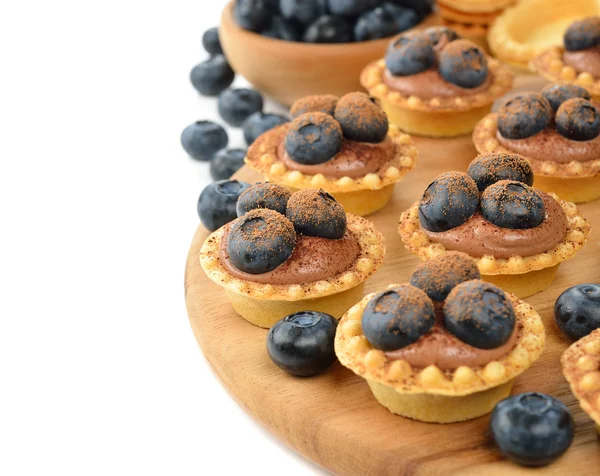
(584,61)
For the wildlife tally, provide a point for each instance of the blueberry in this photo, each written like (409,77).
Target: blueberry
(422,7)
(479,314)
(524,115)
(556,94)
(350,8)
(226,162)
(313,138)
(237,105)
(397,317)
(253,14)
(383,21)
(514,205)
(216,204)
(578,119)
(409,56)
(362,120)
(203,139)
(577,310)
(302,343)
(489,169)
(583,34)
(260,241)
(211,42)
(303,11)
(316,213)
(323,103)
(281,29)
(404,18)
(463,63)
(435,34)
(328,29)
(437,277)
(259,123)
(449,201)
(532,429)
(212,76)
(264,195)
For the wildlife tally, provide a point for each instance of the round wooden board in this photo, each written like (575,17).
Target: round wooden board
(333,419)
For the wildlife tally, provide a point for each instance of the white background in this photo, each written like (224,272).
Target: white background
(99,370)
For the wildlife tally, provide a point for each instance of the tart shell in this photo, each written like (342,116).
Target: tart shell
(476,6)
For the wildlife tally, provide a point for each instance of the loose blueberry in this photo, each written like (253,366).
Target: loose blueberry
(383,21)
(328,29)
(324,103)
(489,169)
(436,33)
(449,201)
(514,205)
(303,11)
(203,139)
(260,241)
(211,42)
(259,123)
(422,7)
(302,343)
(264,195)
(226,162)
(397,317)
(463,63)
(253,14)
(532,429)
(313,138)
(524,115)
(578,119)
(410,55)
(216,204)
(350,8)
(316,213)
(583,34)
(361,119)
(237,105)
(212,76)
(577,310)
(556,94)
(437,277)
(479,314)
(282,29)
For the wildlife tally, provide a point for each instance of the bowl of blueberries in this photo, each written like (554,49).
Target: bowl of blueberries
(295,48)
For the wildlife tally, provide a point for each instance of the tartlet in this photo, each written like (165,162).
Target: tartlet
(567,167)
(318,256)
(581,368)
(435,375)
(432,83)
(517,236)
(361,173)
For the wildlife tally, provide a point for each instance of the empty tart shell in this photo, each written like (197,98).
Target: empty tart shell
(264,304)
(360,196)
(431,394)
(581,368)
(519,275)
(577,182)
(476,6)
(525,30)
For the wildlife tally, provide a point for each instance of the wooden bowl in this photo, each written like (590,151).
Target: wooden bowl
(288,71)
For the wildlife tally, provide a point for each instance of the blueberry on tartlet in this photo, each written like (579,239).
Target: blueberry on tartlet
(212,76)
(489,169)
(217,202)
(397,317)
(556,94)
(578,119)
(259,123)
(322,103)
(524,116)
(328,29)
(264,195)
(211,42)
(514,205)
(583,34)
(577,310)
(436,33)
(532,429)
(226,162)
(313,138)
(409,56)
(463,63)
(361,119)
(203,139)
(237,105)
(316,213)
(302,343)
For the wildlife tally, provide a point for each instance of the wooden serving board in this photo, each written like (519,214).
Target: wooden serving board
(333,419)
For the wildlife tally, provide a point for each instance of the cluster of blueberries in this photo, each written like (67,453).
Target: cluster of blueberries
(459,62)
(241,107)
(502,194)
(568,107)
(330,21)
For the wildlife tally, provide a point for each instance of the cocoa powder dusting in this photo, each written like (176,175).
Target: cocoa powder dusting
(324,103)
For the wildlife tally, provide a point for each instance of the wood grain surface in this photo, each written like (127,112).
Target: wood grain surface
(333,419)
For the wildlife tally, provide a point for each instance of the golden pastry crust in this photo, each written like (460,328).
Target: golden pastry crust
(550,65)
(372,251)
(477,6)
(581,368)
(451,14)
(372,80)
(576,236)
(263,158)
(355,352)
(485,140)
